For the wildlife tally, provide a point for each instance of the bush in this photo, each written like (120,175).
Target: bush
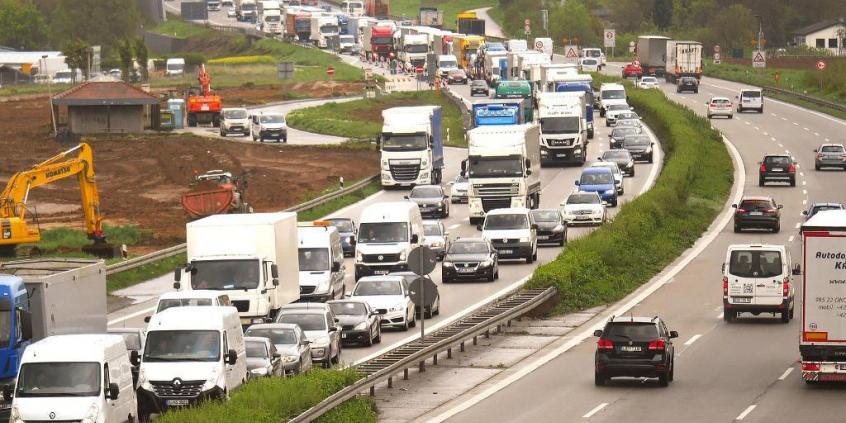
(651,231)
(243,60)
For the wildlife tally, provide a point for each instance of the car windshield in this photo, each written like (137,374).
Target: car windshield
(457,72)
(777,161)
(621,132)
(476,247)
(306,321)
(560,125)
(426,192)
(506,222)
(235,114)
(596,178)
(637,140)
(343,225)
(755,263)
(59,379)
(751,94)
(277,336)
(348,309)
(608,165)
(272,119)
(832,149)
(634,331)
(689,80)
(182,345)
(368,288)
(63,75)
(314,259)
(756,205)
(225,274)
(627,115)
(616,155)
(447,64)
(720,101)
(593,53)
(167,303)
(274,19)
(614,94)
(546,216)
(583,199)
(256,349)
(398,142)
(495,167)
(479,83)
(616,107)
(385,232)
(432,230)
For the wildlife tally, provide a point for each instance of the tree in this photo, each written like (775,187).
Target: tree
(97,22)
(629,15)
(142,56)
(662,14)
(76,56)
(574,21)
(124,50)
(21,25)
(734,26)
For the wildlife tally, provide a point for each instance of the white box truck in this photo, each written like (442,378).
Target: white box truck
(823,340)
(503,168)
(250,257)
(563,127)
(684,58)
(323,27)
(411,146)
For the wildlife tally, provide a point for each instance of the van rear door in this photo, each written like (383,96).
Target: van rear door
(755,276)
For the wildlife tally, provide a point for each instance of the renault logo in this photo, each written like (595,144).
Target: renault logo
(380,258)
(177,383)
(505,240)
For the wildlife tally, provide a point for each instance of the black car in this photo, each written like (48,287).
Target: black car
(615,139)
(552,229)
(360,324)
(431,199)
(640,146)
(431,296)
(470,259)
(777,168)
(634,347)
(479,86)
(348,232)
(688,83)
(758,213)
(622,157)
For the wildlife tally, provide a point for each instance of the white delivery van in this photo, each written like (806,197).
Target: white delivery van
(174,66)
(80,378)
(387,233)
(193,354)
(322,268)
(757,278)
(512,232)
(750,99)
(611,93)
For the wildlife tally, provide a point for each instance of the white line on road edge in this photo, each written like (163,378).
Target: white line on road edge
(798,225)
(130,316)
(792,237)
(746,412)
(693,339)
(772,138)
(758,129)
(721,315)
(630,301)
(596,409)
(804,192)
(786,372)
(454,226)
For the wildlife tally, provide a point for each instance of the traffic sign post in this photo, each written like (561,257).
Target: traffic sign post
(419,71)
(610,39)
(422,261)
(820,65)
(330,72)
(716,58)
(759,59)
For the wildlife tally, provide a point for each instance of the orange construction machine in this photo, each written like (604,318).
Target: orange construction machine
(203,106)
(215,192)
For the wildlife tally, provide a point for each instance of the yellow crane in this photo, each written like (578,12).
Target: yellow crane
(14,228)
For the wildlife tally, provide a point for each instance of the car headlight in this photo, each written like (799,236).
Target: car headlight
(318,351)
(15,416)
(558,228)
(524,239)
(397,307)
(323,286)
(649,149)
(91,414)
(211,380)
(486,263)
(287,359)
(349,239)
(447,264)
(361,326)
(609,192)
(261,371)
(402,256)
(437,244)
(359,256)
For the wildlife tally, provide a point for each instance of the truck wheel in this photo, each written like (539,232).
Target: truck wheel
(785,317)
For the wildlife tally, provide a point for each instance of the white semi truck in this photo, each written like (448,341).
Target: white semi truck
(251,257)
(684,58)
(411,145)
(503,168)
(413,50)
(270,17)
(563,127)
(322,28)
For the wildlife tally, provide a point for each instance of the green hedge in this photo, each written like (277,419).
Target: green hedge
(279,399)
(654,229)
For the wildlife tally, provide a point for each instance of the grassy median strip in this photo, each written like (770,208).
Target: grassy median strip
(143,273)
(653,230)
(362,119)
(326,208)
(280,399)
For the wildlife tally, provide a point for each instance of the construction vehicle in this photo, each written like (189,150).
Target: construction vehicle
(215,192)
(203,106)
(14,211)
(468,22)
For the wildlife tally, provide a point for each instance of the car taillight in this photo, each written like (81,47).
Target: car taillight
(657,345)
(741,211)
(770,211)
(791,168)
(763,168)
(785,287)
(725,286)
(605,344)
(810,367)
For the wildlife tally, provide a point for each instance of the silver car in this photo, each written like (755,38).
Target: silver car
(290,342)
(321,329)
(458,189)
(830,155)
(262,358)
(435,237)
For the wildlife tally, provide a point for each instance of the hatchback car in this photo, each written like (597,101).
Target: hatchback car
(321,329)
(479,87)
(719,106)
(818,207)
(777,168)
(290,342)
(623,158)
(552,229)
(648,82)
(634,347)
(458,189)
(390,296)
(758,213)
(615,138)
(431,199)
(830,155)
(583,208)
(687,83)
(457,76)
(348,232)
(359,322)
(618,175)
(470,259)
(262,358)
(640,147)
(435,237)
(601,181)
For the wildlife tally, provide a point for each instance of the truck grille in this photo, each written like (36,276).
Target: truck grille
(186,389)
(418,62)
(405,172)
(560,142)
(243,306)
(347,327)
(489,204)
(305,290)
(381,258)
(493,190)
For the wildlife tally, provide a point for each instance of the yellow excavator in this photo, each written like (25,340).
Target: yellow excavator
(14,228)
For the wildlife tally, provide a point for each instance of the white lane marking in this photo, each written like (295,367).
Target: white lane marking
(454,226)
(827,140)
(758,129)
(786,372)
(804,202)
(766,134)
(792,237)
(130,316)
(780,145)
(817,133)
(747,122)
(804,192)
(801,173)
(773,114)
(693,339)
(806,128)
(595,410)
(804,183)
(796,123)
(772,138)
(746,412)
(783,118)
(798,225)
(720,316)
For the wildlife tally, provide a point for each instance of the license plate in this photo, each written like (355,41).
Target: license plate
(343,336)
(204,107)
(742,300)
(177,403)
(380,272)
(756,213)
(543,237)
(630,348)
(561,155)
(777,169)
(466,270)
(582,218)
(506,251)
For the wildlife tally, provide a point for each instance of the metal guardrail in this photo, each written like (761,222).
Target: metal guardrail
(179,249)
(810,99)
(494,315)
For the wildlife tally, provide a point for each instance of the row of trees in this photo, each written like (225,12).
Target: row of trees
(77,55)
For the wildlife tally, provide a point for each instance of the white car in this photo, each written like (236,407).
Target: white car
(589,64)
(234,120)
(750,98)
(585,208)
(512,232)
(231,13)
(648,82)
(719,106)
(436,237)
(321,329)
(458,189)
(388,294)
(613,110)
(615,170)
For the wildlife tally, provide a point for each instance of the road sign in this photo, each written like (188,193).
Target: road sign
(422,260)
(717,49)
(610,38)
(571,53)
(716,58)
(539,45)
(527,22)
(820,65)
(759,59)
(330,71)
(419,70)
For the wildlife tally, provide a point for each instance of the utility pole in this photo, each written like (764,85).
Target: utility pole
(50,94)
(760,32)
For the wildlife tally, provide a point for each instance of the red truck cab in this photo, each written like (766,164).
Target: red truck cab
(632,70)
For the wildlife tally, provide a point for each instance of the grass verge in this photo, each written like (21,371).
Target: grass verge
(66,239)
(279,399)
(362,119)
(339,203)
(647,235)
(143,273)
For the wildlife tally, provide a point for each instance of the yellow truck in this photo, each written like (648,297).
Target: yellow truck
(466,49)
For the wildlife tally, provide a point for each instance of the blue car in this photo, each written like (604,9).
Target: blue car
(348,232)
(601,181)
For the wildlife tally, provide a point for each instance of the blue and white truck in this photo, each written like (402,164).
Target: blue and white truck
(412,146)
(502,112)
(579,83)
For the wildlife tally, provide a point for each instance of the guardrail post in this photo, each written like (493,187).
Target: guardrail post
(373,391)
(462,346)
(422,366)
(449,353)
(475,340)
(405,374)
(435,359)
(487,334)
(390,383)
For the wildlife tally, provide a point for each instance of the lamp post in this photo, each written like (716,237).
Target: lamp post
(760,32)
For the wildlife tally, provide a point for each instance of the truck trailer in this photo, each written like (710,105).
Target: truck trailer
(652,53)
(684,58)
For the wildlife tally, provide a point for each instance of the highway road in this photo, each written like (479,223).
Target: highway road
(724,372)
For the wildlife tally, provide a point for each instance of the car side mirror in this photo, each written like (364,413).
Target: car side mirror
(277,355)
(597,333)
(405,197)
(336,266)
(231,357)
(816,151)
(673,334)
(604,203)
(147,319)
(804,212)
(134,358)
(8,391)
(780,206)
(734,206)
(478,227)
(113,392)
(410,293)
(333,328)
(797,270)
(415,239)
(463,167)
(534,226)
(577,183)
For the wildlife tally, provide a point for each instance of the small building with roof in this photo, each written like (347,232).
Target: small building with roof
(107,106)
(827,35)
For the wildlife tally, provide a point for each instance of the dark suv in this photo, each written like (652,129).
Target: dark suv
(688,83)
(634,347)
(777,168)
(757,212)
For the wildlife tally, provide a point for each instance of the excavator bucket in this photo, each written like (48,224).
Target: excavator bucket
(102,249)
(202,203)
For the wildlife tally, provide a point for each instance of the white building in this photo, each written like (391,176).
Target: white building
(829,35)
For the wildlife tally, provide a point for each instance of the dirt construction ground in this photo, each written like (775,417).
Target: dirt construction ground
(141,177)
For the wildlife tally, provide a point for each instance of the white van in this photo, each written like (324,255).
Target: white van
(192,354)
(446,63)
(200,297)
(75,378)
(611,93)
(757,278)
(269,125)
(387,233)
(512,232)
(322,268)
(174,66)
(750,99)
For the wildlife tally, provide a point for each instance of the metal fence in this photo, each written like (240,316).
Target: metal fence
(807,98)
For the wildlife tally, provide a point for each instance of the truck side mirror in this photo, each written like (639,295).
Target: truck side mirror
(336,266)
(7,392)
(134,358)
(113,391)
(352,240)
(797,270)
(177,276)
(414,239)
(26,324)
(231,357)
(274,271)
(577,183)
(146,319)
(463,167)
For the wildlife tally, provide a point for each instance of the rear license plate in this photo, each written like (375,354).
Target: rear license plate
(203,107)
(561,155)
(177,403)
(777,169)
(742,300)
(380,272)
(756,213)
(506,251)
(630,348)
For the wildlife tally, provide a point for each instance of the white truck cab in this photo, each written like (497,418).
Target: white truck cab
(446,63)
(563,127)
(411,146)
(80,378)
(387,233)
(512,232)
(757,278)
(322,268)
(611,93)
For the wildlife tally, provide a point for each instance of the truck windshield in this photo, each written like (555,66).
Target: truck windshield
(499,222)
(399,142)
(5,321)
(560,125)
(755,264)
(447,64)
(493,167)
(417,48)
(614,95)
(382,40)
(314,259)
(182,345)
(248,6)
(174,66)
(329,29)
(225,274)
(64,379)
(272,18)
(383,232)
(182,302)
(347,39)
